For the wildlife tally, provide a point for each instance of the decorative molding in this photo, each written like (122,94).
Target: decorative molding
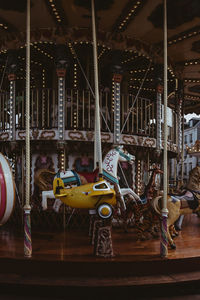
(21,134)
(76,135)
(90,135)
(4,136)
(106,137)
(35,133)
(47,135)
(129,139)
(149,142)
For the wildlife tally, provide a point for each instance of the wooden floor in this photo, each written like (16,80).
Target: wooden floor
(65,260)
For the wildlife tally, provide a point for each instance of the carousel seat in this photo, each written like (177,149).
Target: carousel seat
(90,176)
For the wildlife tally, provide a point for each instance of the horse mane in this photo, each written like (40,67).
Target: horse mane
(194,179)
(43,178)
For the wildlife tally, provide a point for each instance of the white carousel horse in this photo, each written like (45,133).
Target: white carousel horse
(7,190)
(178,205)
(110,164)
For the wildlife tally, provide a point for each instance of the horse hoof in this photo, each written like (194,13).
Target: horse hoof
(173,246)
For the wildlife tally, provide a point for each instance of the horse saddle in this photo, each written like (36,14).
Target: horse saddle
(188,199)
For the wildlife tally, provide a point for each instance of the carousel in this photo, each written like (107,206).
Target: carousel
(92,102)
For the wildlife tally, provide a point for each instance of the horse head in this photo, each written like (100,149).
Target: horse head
(124,155)
(155,170)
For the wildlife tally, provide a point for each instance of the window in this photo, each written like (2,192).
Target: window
(185,153)
(185,169)
(101,186)
(185,139)
(191,138)
(190,166)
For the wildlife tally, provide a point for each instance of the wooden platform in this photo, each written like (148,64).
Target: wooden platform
(64,260)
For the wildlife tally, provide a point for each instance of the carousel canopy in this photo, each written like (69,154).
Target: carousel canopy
(129,35)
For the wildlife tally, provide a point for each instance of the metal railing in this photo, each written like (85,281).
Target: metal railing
(80,112)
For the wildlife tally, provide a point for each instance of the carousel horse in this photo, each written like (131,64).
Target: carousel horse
(177,205)
(145,219)
(7,190)
(72,178)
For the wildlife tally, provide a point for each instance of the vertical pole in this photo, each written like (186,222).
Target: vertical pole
(116,91)
(27,207)
(180,135)
(61,123)
(177,133)
(182,147)
(96,82)
(158,118)
(164,241)
(61,106)
(12,80)
(23,179)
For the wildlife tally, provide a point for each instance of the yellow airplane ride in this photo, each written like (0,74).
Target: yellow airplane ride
(98,196)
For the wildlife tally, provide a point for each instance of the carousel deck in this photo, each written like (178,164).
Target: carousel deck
(65,261)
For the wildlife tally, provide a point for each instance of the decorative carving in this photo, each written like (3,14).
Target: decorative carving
(4,136)
(117,78)
(149,142)
(11,77)
(104,242)
(105,137)
(109,161)
(47,135)
(140,140)
(96,224)
(128,139)
(35,133)
(22,134)
(61,72)
(89,135)
(76,135)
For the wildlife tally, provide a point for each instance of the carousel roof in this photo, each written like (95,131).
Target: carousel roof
(131,31)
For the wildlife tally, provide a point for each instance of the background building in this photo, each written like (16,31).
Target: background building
(191,135)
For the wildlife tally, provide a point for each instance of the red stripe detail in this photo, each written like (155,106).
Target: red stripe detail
(3,193)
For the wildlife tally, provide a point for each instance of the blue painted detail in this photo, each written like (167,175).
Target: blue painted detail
(126,156)
(174,199)
(110,177)
(143,200)
(69,179)
(77,178)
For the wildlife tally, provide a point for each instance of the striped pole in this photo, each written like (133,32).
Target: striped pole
(164,241)
(27,207)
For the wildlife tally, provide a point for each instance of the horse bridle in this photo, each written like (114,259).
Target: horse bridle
(126,156)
